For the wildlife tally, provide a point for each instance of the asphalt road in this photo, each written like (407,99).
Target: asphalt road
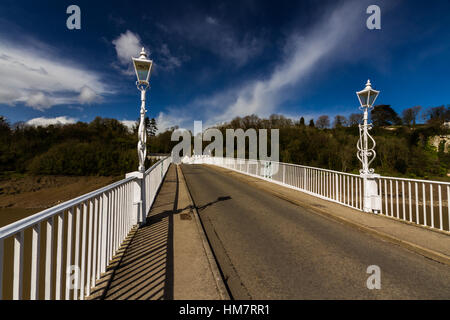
(269,248)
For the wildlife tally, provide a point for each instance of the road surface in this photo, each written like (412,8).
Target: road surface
(269,248)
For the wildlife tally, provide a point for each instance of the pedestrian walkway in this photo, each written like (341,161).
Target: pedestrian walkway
(428,242)
(167,258)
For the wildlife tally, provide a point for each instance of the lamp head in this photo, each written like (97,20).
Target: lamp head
(367,96)
(143,68)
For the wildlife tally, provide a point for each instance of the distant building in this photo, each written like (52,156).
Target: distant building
(435,142)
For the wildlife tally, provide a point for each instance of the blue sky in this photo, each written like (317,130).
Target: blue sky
(217,60)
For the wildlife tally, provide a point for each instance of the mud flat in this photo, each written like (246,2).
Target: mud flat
(24,196)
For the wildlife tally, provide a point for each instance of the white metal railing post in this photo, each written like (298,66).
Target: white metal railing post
(139,209)
(372,198)
(48,259)
(104,233)
(34,281)
(18,266)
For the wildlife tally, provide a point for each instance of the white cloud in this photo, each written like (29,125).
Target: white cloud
(36,76)
(88,96)
(129,124)
(127,45)
(44,122)
(39,101)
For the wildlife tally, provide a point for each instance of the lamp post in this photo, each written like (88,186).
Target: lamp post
(143,68)
(366,151)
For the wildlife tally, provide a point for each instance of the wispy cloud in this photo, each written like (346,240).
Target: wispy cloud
(35,76)
(216,36)
(305,51)
(166,60)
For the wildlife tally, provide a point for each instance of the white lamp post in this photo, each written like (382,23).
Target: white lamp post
(366,151)
(143,68)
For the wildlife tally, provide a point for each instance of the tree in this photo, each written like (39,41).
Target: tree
(4,126)
(355,119)
(323,122)
(409,115)
(384,115)
(280,121)
(311,123)
(251,121)
(437,115)
(150,126)
(302,121)
(340,121)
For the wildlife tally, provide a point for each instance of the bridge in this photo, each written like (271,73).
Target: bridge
(220,228)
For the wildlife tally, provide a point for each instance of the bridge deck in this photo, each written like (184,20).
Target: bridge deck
(164,259)
(273,242)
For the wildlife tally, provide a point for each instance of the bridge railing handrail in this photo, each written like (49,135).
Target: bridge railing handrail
(155,165)
(290,164)
(309,167)
(152,181)
(27,222)
(415,180)
(83,233)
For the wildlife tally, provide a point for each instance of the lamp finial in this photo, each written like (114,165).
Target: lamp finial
(143,54)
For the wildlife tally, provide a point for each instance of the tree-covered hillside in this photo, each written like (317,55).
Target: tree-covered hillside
(107,147)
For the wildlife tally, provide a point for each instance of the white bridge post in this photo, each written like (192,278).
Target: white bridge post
(139,206)
(371,198)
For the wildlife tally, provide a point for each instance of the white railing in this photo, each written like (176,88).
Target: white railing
(76,240)
(340,187)
(153,179)
(421,202)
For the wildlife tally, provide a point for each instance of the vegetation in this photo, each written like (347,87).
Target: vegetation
(106,147)
(402,149)
(102,147)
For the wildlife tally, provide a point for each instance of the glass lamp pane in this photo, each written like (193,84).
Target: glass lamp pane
(364,97)
(373,96)
(142,69)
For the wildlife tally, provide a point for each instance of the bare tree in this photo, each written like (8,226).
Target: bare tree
(410,115)
(323,122)
(355,119)
(340,121)
(437,115)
